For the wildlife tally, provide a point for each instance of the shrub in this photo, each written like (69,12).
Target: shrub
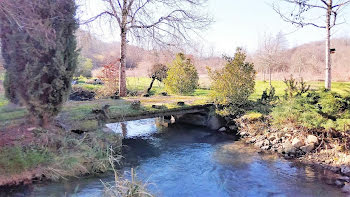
(295,88)
(109,76)
(182,76)
(39,70)
(84,67)
(232,85)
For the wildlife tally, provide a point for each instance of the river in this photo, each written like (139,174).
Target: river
(183,160)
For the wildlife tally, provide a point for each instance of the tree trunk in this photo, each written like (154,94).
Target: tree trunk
(122,66)
(270,76)
(151,85)
(328,79)
(264,71)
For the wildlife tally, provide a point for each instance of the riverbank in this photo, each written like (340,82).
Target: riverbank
(29,154)
(309,147)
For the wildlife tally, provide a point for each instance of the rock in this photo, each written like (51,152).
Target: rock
(82,95)
(266,143)
(339,183)
(181,103)
(233,127)
(158,106)
(271,138)
(252,140)
(222,129)
(297,143)
(243,133)
(344,178)
(345,169)
(311,139)
(346,188)
(288,148)
(259,144)
(215,122)
(307,148)
(265,147)
(288,135)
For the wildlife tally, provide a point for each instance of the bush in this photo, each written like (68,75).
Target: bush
(232,85)
(84,67)
(316,110)
(182,76)
(109,76)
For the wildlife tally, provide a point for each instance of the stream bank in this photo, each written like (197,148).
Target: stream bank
(298,145)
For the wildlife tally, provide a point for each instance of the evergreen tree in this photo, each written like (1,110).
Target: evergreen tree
(182,76)
(232,85)
(39,69)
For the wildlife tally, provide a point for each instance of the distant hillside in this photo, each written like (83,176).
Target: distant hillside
(139,61)
(308,60)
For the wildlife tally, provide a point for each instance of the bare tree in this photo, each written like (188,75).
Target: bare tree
(270,54)
(300,13)
(160,22)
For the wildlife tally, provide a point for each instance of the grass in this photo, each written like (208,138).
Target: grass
(77,113)
(57,154)
(17,159)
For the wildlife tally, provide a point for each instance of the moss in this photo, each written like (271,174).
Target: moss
(252,116)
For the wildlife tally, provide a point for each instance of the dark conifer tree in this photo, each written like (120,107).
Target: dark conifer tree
(40,64)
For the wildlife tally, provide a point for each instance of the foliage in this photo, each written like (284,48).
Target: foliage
(17,159)
(182,76)
(232,85)
(317,109)
(84,67)
(268,95)
(110,78)
(159,72)
(39,70)
(295,88)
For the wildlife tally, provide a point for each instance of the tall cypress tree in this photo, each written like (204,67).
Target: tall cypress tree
(40,66)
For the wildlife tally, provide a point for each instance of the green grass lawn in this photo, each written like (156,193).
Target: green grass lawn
(77,110)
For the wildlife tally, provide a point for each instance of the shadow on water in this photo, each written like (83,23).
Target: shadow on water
(183,160)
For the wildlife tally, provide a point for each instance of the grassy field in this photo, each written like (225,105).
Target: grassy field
(74,111)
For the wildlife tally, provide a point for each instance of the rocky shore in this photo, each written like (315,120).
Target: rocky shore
(298,144)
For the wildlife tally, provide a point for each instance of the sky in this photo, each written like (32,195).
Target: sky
(240,23)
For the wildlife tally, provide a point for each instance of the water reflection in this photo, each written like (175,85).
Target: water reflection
(182,160)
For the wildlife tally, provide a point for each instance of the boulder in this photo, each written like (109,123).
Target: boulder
(345,169)
(297,143)
(288,148)
(311,139)
(214,122)
(259,143)
(346,188)
(265,147)
(82,95)
(222,129)
(307,148)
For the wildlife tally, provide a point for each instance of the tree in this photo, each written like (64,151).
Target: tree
(232,85)
(161,22)
(297,13)
(182,76)
(84,67)
(271,53)
(158,72)
(39,70)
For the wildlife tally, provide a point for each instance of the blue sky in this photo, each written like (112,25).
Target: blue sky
(244,23)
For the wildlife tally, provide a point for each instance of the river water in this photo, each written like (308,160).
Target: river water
(183,160)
